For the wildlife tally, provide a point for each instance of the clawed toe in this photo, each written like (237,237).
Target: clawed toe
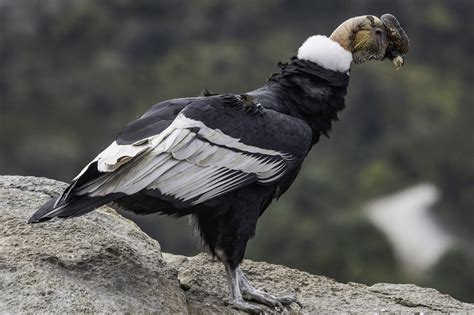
(246,307)
(249,293)
(287,300)
(267,299)
(263,299)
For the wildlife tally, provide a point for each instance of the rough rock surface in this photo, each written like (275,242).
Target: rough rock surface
(96,263)
(204,281)
(103,263)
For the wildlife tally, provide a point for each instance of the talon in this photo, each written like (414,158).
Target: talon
(246,307)
(287,300)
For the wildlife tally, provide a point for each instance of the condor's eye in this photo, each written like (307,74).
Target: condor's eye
(378,31)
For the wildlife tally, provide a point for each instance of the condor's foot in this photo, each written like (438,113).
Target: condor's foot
(241,305)
(249,293)
(276,302)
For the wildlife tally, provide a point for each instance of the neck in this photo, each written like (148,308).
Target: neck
(327,52)
(306,90)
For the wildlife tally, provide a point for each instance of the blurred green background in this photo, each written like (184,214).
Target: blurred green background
(74,72)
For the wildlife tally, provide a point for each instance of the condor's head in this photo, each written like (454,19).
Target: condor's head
(358,40)
(370,38)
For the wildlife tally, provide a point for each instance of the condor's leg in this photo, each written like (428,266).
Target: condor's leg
(236,301)
(249,293)
(220,231)
(227,228)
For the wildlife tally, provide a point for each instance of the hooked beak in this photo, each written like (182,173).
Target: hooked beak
(398,62)
(396,57)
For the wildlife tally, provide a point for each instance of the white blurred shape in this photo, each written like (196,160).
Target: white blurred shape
(405,218)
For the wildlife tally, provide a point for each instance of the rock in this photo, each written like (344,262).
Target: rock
(97,263)
(103,263)
(206,287)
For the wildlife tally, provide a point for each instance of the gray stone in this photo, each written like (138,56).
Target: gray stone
(97,263)
(103,263)
(204,281)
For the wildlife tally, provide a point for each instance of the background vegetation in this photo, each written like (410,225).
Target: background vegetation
(72,73)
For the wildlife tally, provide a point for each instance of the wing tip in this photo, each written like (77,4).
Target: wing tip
(34,219)
(44,213)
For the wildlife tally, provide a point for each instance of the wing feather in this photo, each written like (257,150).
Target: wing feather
(188,161)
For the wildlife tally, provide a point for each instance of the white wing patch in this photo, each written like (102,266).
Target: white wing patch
(188,161)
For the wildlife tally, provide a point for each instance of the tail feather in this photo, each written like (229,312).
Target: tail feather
(72,208)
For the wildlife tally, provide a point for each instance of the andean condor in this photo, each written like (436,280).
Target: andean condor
(224,158)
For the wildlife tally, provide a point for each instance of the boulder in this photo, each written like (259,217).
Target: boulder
(103,263)
(97,263)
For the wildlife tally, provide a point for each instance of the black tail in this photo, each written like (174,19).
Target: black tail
(72,208)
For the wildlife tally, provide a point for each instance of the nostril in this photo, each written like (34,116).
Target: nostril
(378,31)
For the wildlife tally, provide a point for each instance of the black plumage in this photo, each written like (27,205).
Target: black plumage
(223,158)
(275,125)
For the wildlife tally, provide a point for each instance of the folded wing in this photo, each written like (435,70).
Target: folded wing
(188,162)
(211,147)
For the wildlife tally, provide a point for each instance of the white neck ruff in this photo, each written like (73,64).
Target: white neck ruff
(325,52)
